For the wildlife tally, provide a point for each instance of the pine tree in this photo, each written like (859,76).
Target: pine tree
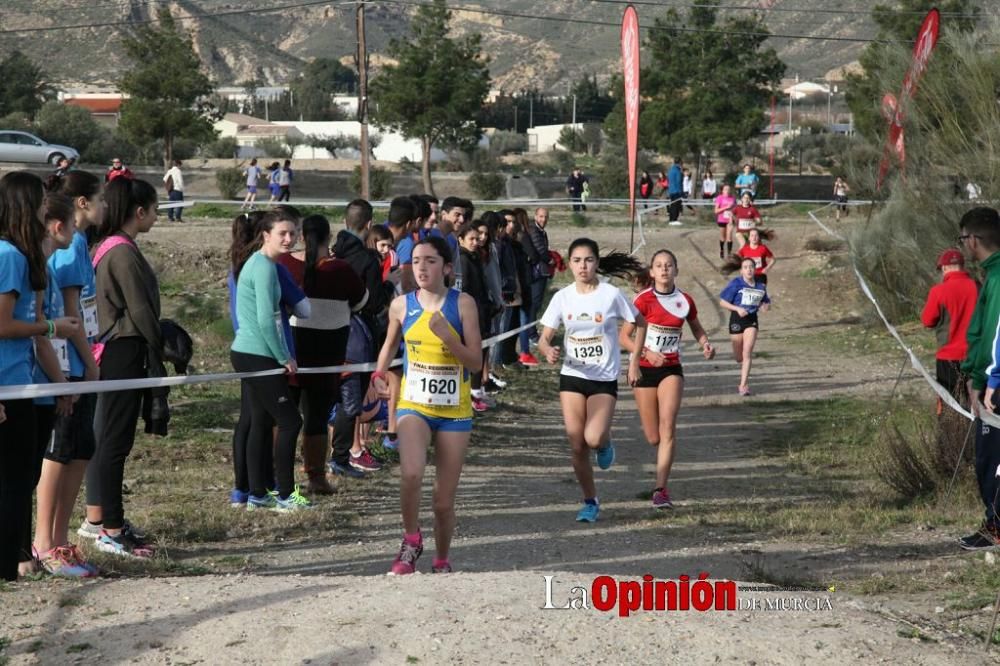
(435,91)
(167,87)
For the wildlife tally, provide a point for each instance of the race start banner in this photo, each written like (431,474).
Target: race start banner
(893,108)
(630,71)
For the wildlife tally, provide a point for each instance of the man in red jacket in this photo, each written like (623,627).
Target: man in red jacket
(949,308)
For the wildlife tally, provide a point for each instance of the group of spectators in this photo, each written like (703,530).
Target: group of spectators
(967,317)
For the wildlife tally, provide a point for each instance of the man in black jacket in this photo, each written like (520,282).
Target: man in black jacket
(542,266)
(350,247)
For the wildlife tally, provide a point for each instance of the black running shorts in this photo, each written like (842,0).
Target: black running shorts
(738,324)
(587,387)
(651,377)
(73,435)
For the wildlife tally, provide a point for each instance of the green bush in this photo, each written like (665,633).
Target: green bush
(17,121)
(572,140)
(379,182)
(488,186)
(71,126)
(223,147)
(273,148)
(610,178)
(563,161)
(230,181)
(505,143)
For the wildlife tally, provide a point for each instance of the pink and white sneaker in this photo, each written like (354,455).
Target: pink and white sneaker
(406,562)
(661,499)
(365,462)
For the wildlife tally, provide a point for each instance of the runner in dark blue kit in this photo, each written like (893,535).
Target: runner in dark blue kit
(744,297)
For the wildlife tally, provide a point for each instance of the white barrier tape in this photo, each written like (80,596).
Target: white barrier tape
(946,397)
(30,391)
(175,204)
(511,203)
(824,227)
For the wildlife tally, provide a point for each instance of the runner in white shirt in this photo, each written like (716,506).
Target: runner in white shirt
(591,310)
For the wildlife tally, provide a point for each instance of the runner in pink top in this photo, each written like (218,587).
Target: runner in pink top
(724,204)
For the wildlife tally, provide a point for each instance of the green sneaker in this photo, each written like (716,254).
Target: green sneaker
(294,502)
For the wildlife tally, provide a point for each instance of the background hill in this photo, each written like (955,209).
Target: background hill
(539,48)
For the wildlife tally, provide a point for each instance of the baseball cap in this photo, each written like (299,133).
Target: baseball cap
(950,257)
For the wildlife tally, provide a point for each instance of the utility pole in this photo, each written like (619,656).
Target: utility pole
(531,111)
(574,110)
(362,60)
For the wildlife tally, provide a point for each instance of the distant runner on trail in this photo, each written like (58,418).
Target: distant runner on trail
(252,174)
(590,310)
(761,254)
(439,328)
(744,297)
(661,383)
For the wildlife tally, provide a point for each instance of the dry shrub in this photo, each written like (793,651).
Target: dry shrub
(816,244)
(955,445)
(952,130)
(924,459)
(904,462)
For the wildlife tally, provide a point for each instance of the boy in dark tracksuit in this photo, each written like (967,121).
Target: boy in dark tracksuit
(981,238)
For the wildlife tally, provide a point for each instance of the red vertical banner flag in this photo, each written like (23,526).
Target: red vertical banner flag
(630,71)
(894,108)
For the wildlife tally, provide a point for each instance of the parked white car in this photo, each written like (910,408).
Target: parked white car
(23,147)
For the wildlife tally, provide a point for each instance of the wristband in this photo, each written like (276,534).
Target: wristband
(51,328)
(378,374)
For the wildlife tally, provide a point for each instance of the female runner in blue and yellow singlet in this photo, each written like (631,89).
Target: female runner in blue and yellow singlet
(440,332)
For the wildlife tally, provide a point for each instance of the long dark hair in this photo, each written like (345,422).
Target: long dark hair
(614,264)
(56,206)
(521,223)
(75,184)
(244,240)
(440,246)
(21,195)
(644,280)
(124,197)
(316,234)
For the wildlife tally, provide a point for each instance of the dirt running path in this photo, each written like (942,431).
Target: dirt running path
(326,600)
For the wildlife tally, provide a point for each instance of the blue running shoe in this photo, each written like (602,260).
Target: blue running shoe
(390,444)
(606,456)
(238,498)
(588,513)
(345,470)
(268,501)
(296,501)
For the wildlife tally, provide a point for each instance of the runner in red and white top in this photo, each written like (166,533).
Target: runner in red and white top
(762,256)
(745,217)
(661,384)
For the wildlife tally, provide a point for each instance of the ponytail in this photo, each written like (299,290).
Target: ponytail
(315,233)
(614,264)
(244,240)
(75,184)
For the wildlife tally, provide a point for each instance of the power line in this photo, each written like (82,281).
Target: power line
(473,10)
(673,28)
(809,10)
(178,19)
